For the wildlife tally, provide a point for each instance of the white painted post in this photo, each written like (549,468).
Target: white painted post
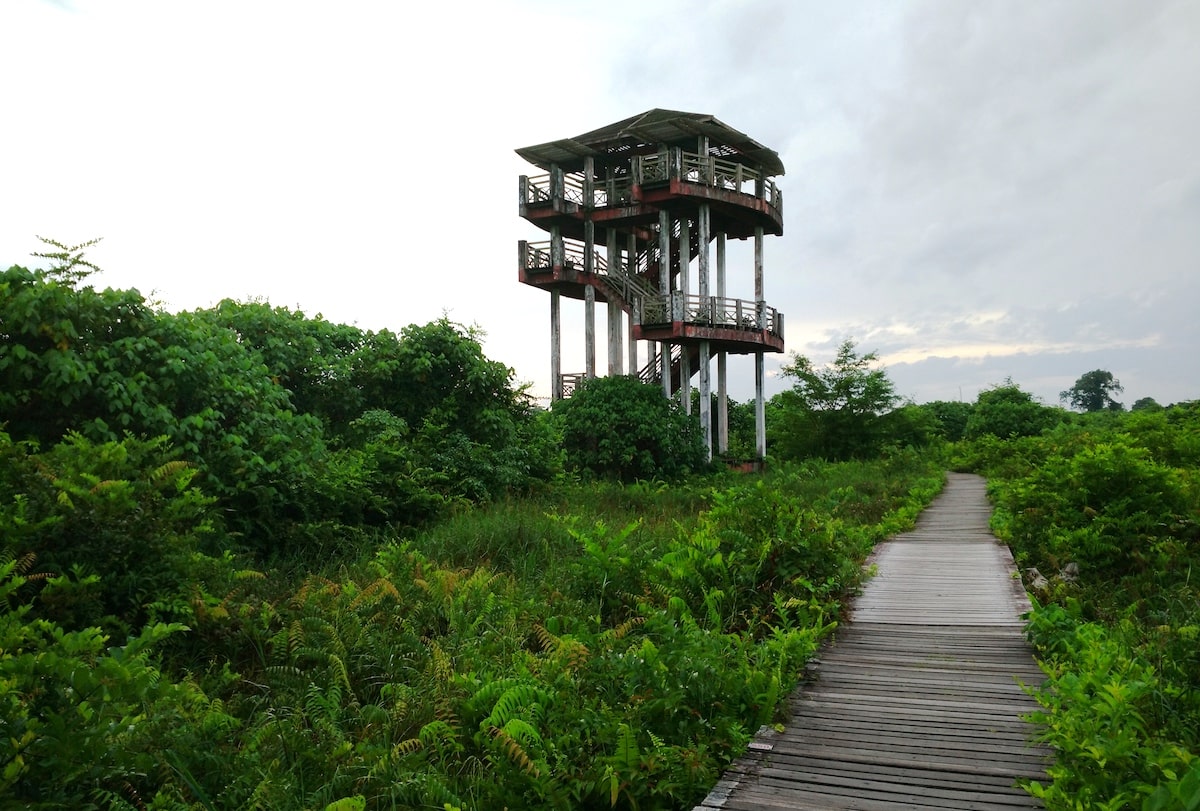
(760,408)
(722,356)
(614,309)
(589,330)
(556,386)
(685,357)
(664,290)
(631,269)
(703,227)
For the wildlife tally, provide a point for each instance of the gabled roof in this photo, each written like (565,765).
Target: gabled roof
(651,128)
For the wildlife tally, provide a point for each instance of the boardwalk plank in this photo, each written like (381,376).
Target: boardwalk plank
(918,702)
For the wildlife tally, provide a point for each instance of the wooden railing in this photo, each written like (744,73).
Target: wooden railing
(652,371)
(571,381)
(535,189)
(538,257)
(613,192)
(690,167)
(712,311)
(643,300)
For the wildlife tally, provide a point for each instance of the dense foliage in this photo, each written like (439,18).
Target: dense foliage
(252,559)
(1106,508)
(1094,391)
(622,428)
(293,423)
(598,647)
(834,412)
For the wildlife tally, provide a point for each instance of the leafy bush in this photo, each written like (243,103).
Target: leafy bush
(622,428)
(1006,411)
(125,511)
(1118,642)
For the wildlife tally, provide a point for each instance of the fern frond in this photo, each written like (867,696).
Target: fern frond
(547,640)
(169,470)
(339,669)
(440,666)
(407,747)
(515,753)
(620,631)
(382,586)
(627,758)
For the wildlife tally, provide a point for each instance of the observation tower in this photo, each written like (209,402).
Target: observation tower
(632,211)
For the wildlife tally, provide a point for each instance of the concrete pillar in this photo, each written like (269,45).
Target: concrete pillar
(685,267)
(589,331)
(634,306)
(706,401)
(615,349)
(760,407)
(664,291)
(703,227)
(760,376)
(556,386)
(722,403)
(722,359)
(758,268)
(589,298)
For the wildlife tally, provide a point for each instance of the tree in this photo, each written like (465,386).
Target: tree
(1146,404)
(833,412)
(622,428)
(1093,392)
(951,417)
(1006,411)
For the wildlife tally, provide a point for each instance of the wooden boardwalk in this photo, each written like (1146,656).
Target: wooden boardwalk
(916,703)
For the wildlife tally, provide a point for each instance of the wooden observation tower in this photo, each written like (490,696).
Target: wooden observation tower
(632,211)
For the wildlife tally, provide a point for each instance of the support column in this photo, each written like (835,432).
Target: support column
(589,298)
(760,376)
(589,331)
(722,358)
(760,407)
(615,353)
(556,386)
(664,292)
(634,306)
(759,296)
(703,226)
(685,357)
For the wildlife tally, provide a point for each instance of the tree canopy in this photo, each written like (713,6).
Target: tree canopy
(834,411)
(1007,411)
(622,428)
(289,418)
(1094,391)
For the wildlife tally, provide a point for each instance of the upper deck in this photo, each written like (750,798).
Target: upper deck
(741,198)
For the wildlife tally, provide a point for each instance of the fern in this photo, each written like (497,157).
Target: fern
(520,700)
(170,472)
(514,752)
(627,757)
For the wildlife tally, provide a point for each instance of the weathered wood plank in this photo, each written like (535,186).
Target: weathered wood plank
(918,702)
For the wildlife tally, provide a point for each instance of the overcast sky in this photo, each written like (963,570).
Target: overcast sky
(975,190)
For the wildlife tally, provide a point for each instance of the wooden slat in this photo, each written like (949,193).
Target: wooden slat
(918,701)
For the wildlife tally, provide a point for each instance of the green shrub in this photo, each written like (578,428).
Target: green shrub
(621,428)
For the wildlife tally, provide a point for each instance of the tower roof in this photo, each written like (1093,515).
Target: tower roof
(649,129)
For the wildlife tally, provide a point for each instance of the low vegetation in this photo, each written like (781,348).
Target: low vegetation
(1103,515)
(253,559)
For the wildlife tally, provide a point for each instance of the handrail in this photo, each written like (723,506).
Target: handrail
(536,189)
(538,257)
(691,167)
(571,381)
(573,188)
